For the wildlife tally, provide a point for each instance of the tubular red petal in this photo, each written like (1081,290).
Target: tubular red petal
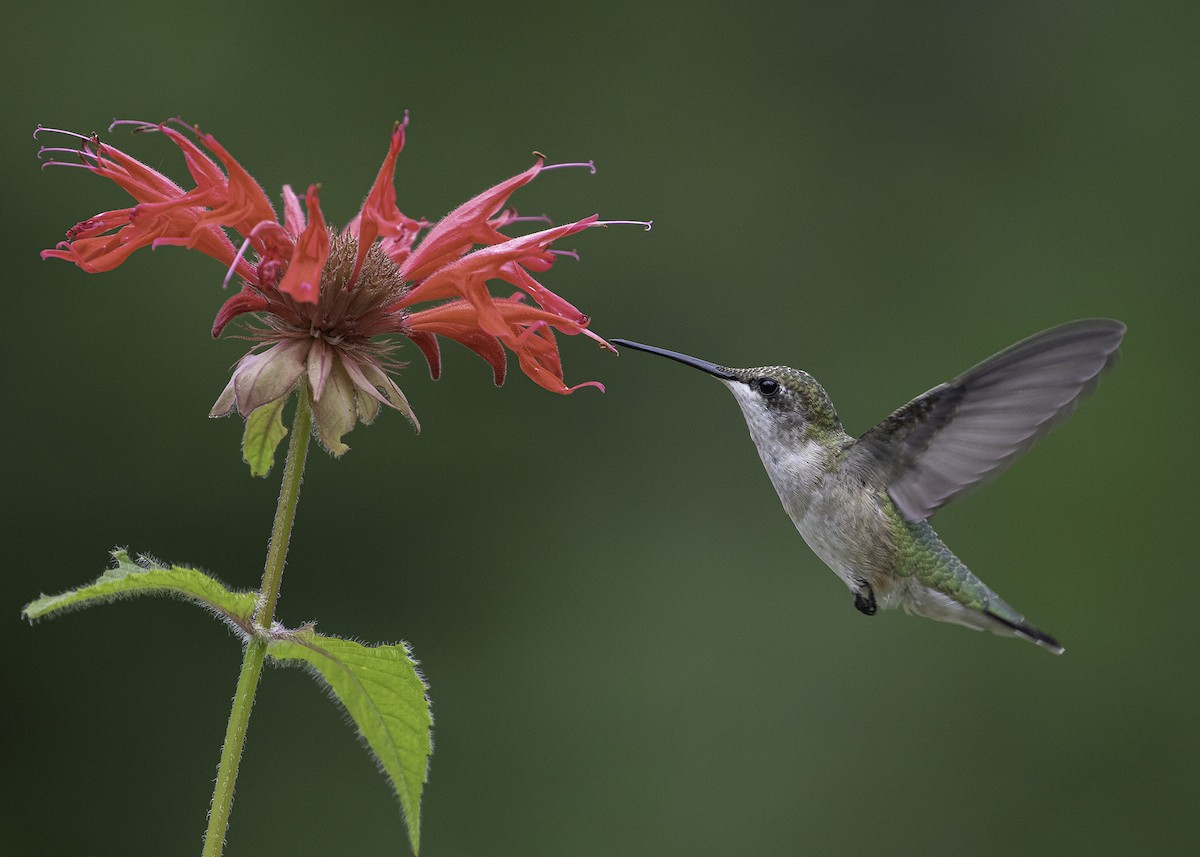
(91,249)
(464,227)
(95,255)
(486,346)
(242,205)
(219,200)
(138,180)
(247,300)
(180,225)
(275,247)
(537,345)
(543,377)
(428,344)
(544,367)
(379,214)
(293,214)
(303,278)
(165,213)
(466,276)
(528,334)
(514,313)
(204,171)
(398,246)
(540,359)
(523,280)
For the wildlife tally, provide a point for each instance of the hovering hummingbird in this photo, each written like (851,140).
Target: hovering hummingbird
(862,504)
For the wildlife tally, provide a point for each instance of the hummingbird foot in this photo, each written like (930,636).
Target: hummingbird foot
(864,599)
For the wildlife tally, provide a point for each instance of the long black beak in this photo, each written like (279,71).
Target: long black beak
(711,368)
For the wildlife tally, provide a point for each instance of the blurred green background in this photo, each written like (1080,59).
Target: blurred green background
(630,649)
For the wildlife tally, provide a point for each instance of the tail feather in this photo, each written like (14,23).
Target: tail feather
(989,612)
(1026,631)
(937,584)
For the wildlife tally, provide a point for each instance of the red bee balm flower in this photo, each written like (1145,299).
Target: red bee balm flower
(325,297)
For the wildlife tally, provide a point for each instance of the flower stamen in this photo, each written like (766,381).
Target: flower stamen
(66,151)
(84,137)
(591,165)
(139,125)
(646,224)
(241,253)
(65,164)
(510,216)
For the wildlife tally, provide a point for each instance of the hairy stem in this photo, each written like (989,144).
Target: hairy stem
(256,648)
(231,751)
(285,511)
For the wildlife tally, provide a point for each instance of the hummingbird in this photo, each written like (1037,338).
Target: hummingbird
(863,504)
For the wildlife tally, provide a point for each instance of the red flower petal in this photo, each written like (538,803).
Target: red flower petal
(486,346)
(249,299)
(528,334)
(135,178)
(293,215)
(240,203)
(379,214)
(517,275)
(464,227)
(467,277)
(235,201)
(428,344)
(303,278)
(165,214)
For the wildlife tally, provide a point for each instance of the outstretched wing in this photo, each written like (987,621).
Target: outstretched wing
(949,440)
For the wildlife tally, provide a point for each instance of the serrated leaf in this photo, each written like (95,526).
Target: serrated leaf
(128,578)
(264,431)
(385,697)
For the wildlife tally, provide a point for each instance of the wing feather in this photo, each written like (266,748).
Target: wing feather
(949,440)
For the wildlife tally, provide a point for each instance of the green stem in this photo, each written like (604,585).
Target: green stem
(256,648)
(285,511)
(231,751)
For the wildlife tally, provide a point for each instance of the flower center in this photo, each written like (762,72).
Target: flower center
(341,315)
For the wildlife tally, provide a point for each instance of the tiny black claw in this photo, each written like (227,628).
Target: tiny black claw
(864,599)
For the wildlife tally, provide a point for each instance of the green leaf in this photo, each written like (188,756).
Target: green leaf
(264,431)
(384,695)
(128,578)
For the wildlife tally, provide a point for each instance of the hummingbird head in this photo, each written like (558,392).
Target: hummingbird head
(781,405)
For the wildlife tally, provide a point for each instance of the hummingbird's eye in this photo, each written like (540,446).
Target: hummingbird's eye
(768,387)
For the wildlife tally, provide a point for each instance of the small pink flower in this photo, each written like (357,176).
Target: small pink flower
(327,300)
